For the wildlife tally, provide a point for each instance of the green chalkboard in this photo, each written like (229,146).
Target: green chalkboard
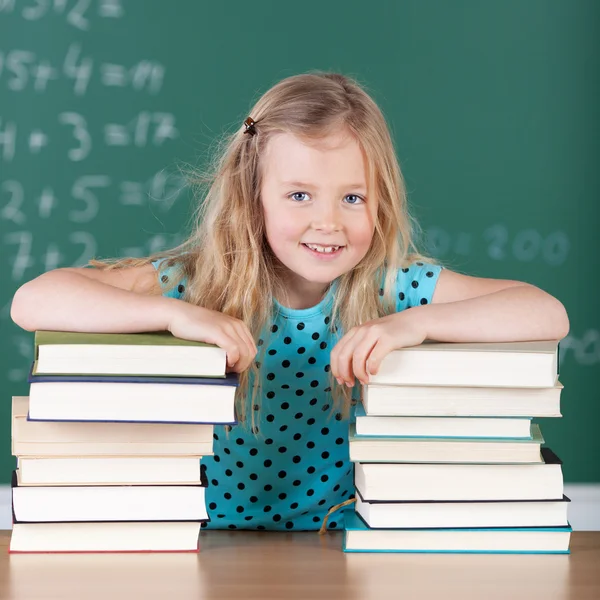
(493,107)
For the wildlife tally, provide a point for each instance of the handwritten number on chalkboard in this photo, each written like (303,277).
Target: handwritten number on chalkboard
(80,133)
(89,246)
(497,236)
(12,210)
(525,245)
(37,11)
(81,191)
(23,260)
(76,15)
(17,63)
(7,5)
(39,8)
(79,69)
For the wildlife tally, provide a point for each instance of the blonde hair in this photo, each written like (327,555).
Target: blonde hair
(227,261)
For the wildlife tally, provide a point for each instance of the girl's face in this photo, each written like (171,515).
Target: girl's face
(319,221)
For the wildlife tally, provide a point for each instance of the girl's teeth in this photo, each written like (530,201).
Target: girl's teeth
(323,249)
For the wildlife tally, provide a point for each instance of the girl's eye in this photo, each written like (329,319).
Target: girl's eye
(297,194)
(357,199)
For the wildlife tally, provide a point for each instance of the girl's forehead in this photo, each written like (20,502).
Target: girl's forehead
(288,155)
(335,140)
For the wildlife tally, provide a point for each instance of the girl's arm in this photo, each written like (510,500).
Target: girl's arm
(469,309)
(125,300)
(462,309)
(92,300)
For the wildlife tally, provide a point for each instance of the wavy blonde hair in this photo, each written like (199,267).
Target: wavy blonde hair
(227,261)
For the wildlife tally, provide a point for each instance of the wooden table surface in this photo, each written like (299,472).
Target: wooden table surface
(279,565)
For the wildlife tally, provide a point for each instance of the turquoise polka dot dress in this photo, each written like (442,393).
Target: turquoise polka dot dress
(289,475)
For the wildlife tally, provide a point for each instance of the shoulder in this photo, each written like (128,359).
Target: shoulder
(170,277)
(415,284)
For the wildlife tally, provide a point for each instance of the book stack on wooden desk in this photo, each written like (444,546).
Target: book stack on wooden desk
(447,457)
(110,439)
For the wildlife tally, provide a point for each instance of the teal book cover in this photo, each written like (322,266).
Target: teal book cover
(353,522)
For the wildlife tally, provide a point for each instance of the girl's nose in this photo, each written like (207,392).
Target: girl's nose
(327,217)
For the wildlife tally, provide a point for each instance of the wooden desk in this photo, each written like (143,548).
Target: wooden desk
(274,565)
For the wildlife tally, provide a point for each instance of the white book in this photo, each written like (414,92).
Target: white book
(461,401)
(454,481)
(156,353)
(109,503)
(454,427)
(150,401)
(72,438)
(498,364)
(97,470)
(105,537)
(445,450)
(400,514)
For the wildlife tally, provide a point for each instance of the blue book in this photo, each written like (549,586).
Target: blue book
(359,537)
(139,399)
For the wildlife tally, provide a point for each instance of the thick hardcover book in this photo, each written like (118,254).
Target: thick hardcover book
(365,448)
(495,364)
(461,401)
(440,514)
(444,427)
(118,439)
(133,399)
(359,537)
(57,504)
(461,482)
(172,536)
(110,470)
(154,353)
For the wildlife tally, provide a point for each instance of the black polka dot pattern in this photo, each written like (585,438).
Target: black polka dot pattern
(415,285)
(288,476)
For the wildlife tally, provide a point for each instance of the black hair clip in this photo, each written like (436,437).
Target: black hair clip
(249,123)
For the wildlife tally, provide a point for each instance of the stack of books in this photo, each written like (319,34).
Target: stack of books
(447,457)
(110,439)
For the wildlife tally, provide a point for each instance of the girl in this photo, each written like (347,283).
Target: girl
(302,266)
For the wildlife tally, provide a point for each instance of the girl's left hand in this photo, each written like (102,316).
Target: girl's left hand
(360,351)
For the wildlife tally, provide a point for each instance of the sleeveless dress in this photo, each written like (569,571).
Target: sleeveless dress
(289,475)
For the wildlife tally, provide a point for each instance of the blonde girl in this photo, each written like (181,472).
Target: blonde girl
(303,266)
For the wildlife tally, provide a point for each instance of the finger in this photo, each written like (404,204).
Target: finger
(360,356)
(377,354)
(346,356)
(334,358)
(246,339)
(218,336)
(232,329)
(231,347)
(245,333)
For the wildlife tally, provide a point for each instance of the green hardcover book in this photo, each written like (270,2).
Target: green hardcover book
(154,354)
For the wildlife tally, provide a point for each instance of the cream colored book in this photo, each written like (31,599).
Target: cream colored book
(461,401)
(109,470)
(487,364)
(396,449)
(172,536)
(55,438)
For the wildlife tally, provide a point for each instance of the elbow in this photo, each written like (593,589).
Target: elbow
(19,311)
(562,323)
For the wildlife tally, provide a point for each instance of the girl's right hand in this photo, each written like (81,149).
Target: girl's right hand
(200,324)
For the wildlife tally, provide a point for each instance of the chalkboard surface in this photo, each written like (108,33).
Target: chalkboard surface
(493,107)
